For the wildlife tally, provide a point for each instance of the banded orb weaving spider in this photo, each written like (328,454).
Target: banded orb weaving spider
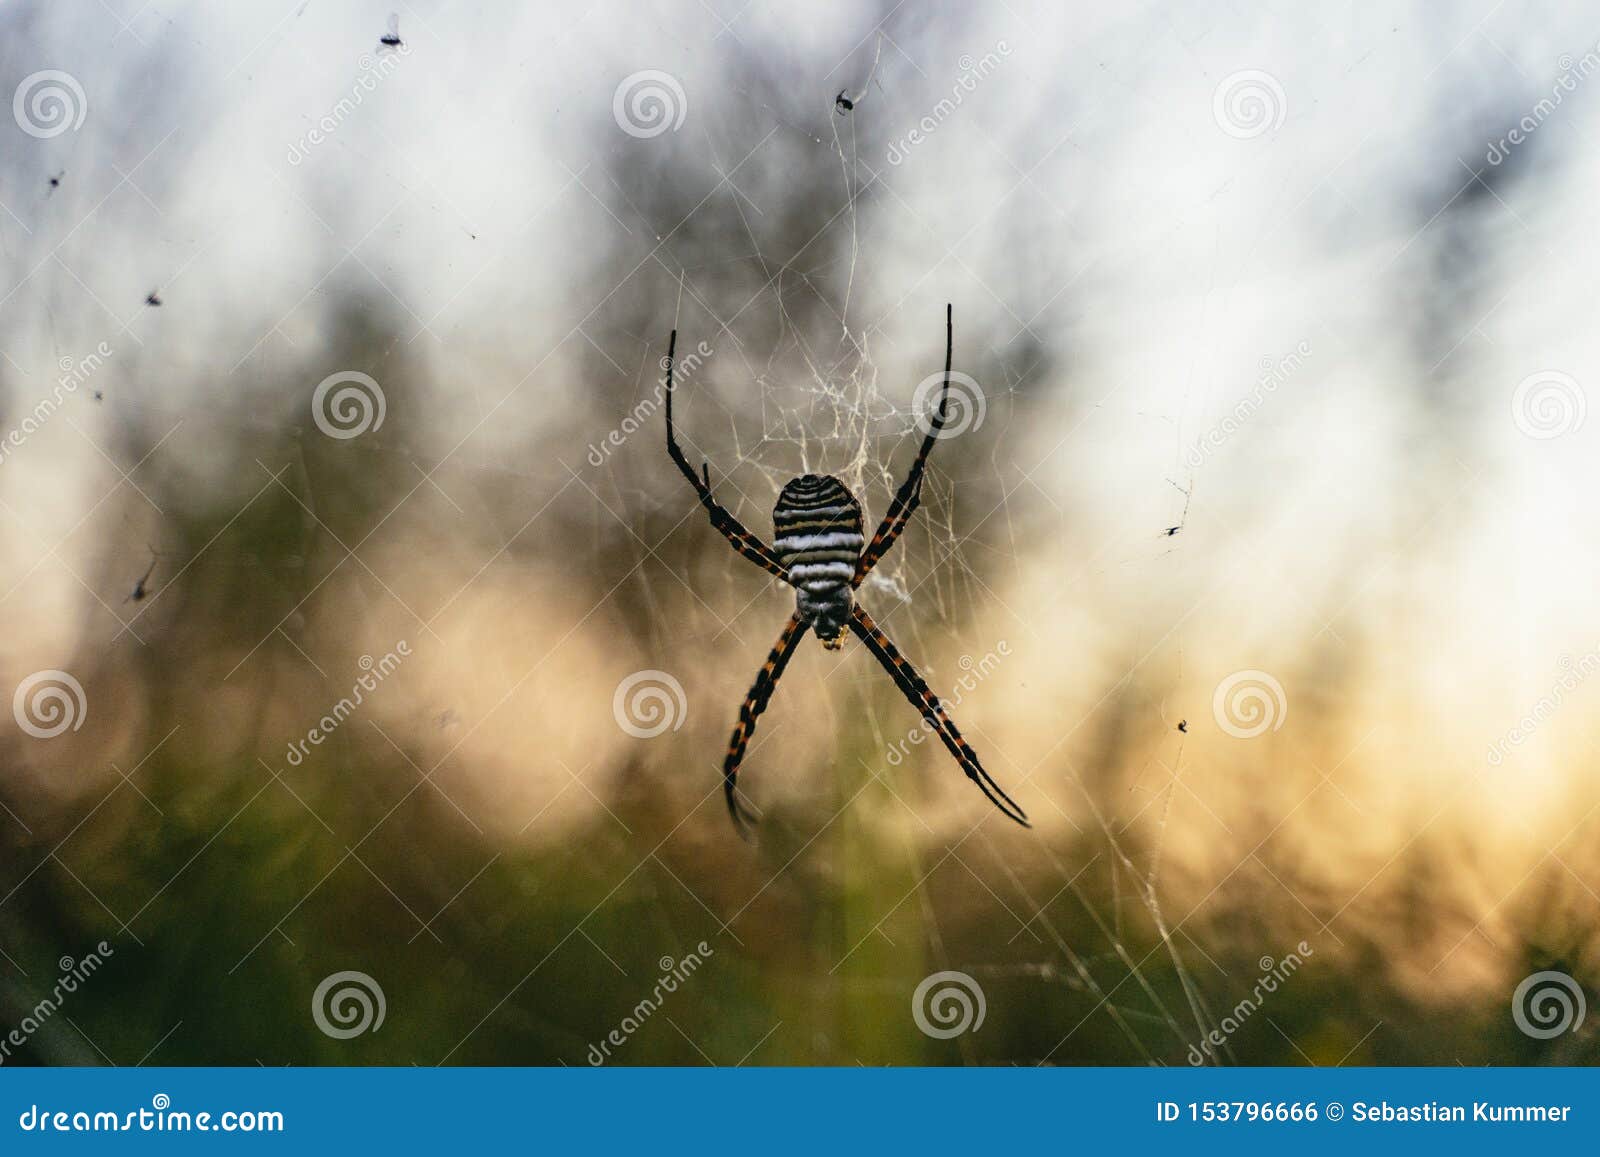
(818,551)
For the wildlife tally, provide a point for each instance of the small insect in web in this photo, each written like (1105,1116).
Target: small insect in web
(818,551)
(55,181)
(153,298)
(391,39)
(140,591)
(844,102)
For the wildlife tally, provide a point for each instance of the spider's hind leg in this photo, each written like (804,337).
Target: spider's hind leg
(743,818)
(749,711)
(921,696)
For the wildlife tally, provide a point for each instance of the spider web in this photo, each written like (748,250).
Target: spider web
(512,324)
(815,365)
(827,403)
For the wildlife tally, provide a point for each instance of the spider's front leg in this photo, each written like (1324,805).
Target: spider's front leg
(725,523)
(909,496)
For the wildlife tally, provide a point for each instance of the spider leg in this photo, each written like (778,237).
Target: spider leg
(726,524)
(909,496)
(925,701)
(752,707)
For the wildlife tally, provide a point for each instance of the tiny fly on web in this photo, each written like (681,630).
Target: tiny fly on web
(153,297)
(140,590)
(391,39)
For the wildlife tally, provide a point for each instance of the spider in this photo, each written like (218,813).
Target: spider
(818,551)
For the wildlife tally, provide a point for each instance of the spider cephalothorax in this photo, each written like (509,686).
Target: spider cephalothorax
(818,526)
(818,551)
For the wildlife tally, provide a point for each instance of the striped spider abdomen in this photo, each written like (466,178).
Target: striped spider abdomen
(819,539)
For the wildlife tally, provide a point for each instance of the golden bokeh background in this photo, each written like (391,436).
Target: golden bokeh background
(1261,575)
